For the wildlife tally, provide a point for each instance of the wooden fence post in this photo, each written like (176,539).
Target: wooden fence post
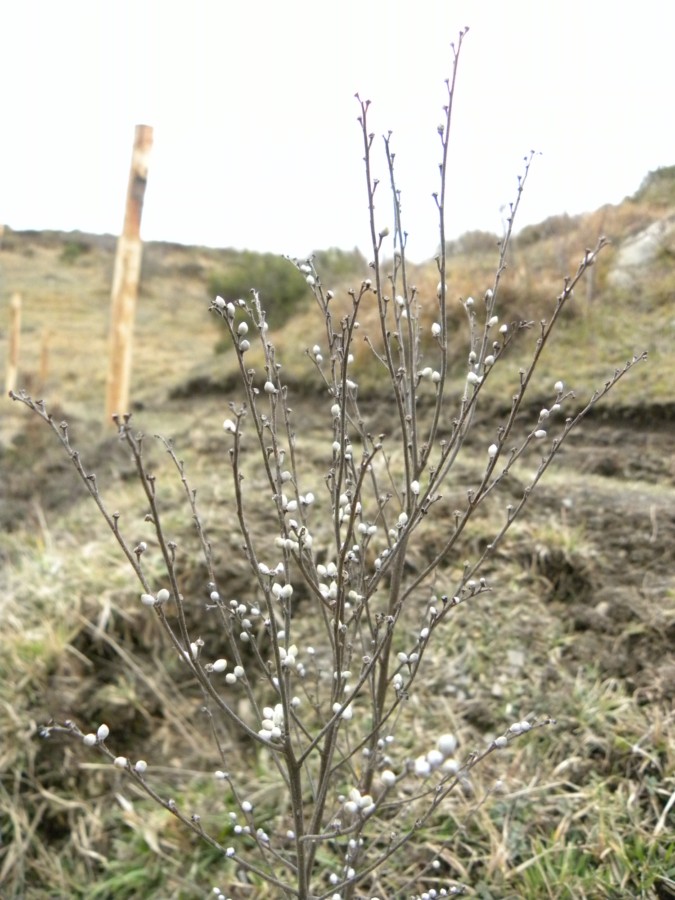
(125,279)
(14,340)
(45,340)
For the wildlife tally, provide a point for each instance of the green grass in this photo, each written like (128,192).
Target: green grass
(588,833)
(578,625)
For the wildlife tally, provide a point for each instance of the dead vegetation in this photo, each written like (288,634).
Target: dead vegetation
(580,623)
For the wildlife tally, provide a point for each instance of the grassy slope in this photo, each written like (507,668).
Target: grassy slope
(584,813)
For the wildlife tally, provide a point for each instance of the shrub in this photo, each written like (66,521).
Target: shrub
(658,187)
(554,226)
(74,250)
(337,266)
(357,562)
(278,282)
(473,242)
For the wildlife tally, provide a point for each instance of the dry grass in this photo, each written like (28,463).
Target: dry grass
(579,624)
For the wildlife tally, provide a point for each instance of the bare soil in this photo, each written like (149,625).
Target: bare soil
(614,481)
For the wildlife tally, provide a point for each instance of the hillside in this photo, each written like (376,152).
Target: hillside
(580,624)
(625,307)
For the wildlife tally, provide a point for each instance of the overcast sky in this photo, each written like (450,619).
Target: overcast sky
(256,143)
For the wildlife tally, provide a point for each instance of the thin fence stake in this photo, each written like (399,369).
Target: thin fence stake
(14,342)
(45,341)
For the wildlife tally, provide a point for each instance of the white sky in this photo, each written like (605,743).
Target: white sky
(252,103)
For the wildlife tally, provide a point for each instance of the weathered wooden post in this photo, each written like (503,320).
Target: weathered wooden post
(14,340)
(125,279)
(44,358)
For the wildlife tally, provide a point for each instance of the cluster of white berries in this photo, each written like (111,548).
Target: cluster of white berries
(288,656)
(439,757)
(273,723)
(430,374)
(244,344)
(101,735)
(121,762)
(382,744)
(306,270)
(544,414)
(434,894)
(328,587)
(282,591)
(476,366)
(245,615)
(346,509)
(366,529)
(401,523)
(408,659)
(228,307)
(264,569)
(357,803)
(540,431)
(346,712)
(150,600)
(220,665)
(247,808)
(345,448)
(219,895)
(223,305)
(288,506)
(520,727)
(517,728)
(302,538)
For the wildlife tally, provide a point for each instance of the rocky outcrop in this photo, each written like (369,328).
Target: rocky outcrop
(640,250)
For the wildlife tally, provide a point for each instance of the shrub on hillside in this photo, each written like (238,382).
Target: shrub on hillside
(278,282)
(554,226)
(339,266)
(658,187)
(73,251)
(473,242)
